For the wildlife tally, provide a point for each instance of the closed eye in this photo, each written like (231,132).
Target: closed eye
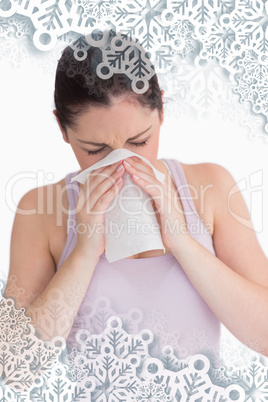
(137,144)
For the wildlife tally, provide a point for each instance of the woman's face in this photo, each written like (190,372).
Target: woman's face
(124,125)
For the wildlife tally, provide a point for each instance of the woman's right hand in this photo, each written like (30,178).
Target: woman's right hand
(93,200)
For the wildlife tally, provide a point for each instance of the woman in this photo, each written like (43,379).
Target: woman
(214,269)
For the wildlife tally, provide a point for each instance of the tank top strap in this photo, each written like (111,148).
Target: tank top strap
(72,191)
(183,187)
(72,194)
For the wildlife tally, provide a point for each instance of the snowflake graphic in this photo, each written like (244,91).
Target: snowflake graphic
(170,361)
(131,59)
(95,316)
(23,357)
(113,365)
(156,320)
(21,25)
(4,28)
(120,54)
(253,83)
(232,110)
(198,31)
(219,43)
(199,339)
(218,376)
(249,21)
(22,298)
(182,38)
(253,379)
(201,86)
(152,392)
(99,10)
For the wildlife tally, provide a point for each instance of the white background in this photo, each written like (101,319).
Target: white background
(31,142)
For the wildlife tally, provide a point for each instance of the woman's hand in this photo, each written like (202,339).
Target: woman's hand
(169,211)
(92,203)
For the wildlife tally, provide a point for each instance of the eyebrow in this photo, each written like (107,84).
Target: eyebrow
(100,144)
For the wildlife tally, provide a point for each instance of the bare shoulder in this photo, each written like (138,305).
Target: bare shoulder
(41,208)
(44,203)
(32,259)
(207,182)
(224,191)
(50,208)
(206,173)
(32,197)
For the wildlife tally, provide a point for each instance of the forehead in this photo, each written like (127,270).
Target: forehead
(124,118)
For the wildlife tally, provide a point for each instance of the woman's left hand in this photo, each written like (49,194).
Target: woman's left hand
(166,201)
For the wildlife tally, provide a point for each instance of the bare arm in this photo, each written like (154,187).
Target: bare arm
(33,266)
(234,283)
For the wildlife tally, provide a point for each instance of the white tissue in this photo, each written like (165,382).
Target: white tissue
(131,226)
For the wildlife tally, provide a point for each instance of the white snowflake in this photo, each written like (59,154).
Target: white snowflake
(111,365)
(199,339)
(218,29)
(253,83)
(182,38)
(23,356)
(253,379)
(100,10)
(152,392)
(156,320)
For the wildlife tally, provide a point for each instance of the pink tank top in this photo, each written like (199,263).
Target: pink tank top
(148,293)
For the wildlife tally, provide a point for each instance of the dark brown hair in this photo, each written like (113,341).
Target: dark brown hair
(78,86)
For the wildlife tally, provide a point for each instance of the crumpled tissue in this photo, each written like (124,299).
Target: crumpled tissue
(131,226)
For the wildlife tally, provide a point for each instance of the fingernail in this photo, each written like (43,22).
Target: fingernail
(118,181)
(120,167)
(126,163)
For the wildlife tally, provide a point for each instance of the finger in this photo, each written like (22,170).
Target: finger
(104,201)
(149,184)
(155,190)
(101,188)
(139,164)
(142,171)
(100,175)
(109,169)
